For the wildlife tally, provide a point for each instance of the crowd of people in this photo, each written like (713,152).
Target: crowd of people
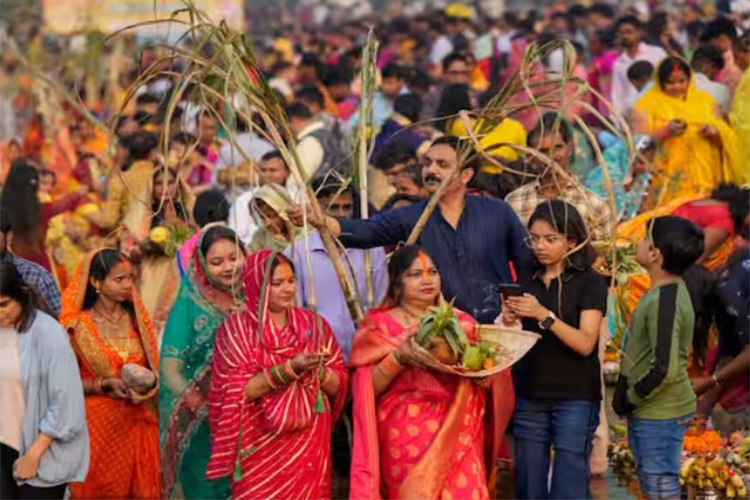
(172,318)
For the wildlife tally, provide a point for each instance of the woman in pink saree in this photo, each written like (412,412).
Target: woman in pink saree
(278,385)
(418,433)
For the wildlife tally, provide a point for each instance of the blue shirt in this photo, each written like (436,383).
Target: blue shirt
(41,281)
(330,298)
(54,403)
(473,259)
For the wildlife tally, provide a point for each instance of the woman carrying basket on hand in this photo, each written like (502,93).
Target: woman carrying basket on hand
(418,432)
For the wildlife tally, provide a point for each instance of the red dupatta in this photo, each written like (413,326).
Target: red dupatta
(281,439)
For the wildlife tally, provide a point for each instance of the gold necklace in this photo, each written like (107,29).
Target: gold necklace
(408,315)
(114,320)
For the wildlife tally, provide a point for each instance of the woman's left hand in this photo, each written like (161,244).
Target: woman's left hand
(711,133)
(528,306)
(26,466)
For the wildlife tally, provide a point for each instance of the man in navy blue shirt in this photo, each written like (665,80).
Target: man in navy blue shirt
(472,239)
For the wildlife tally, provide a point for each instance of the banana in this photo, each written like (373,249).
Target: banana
(736,480)
(685,469)
(731,492)
(742,491)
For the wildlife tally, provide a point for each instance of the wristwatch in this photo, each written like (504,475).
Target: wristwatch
(547,322)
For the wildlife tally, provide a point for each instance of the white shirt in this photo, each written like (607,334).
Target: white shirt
(441,48)
(718,91)
(309,149)
(623,91)
(12,402)
(240,220)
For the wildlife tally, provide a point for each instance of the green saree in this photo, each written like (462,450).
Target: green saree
(184,436)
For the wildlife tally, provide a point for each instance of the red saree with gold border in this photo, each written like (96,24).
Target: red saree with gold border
(424,437)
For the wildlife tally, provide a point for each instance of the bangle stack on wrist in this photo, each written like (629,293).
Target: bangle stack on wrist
(98,385)
(390,366)
(280,375)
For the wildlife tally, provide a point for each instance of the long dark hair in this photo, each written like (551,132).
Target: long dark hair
(13,287)
(565,219)
(101,265)
(400,262)
(21,193)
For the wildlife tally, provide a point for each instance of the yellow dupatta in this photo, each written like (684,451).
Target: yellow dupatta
(690,165)
(739,117)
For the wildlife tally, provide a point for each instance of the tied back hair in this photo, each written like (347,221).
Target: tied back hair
(101,265)
(567,221)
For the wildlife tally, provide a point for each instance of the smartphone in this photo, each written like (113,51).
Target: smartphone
(511,290)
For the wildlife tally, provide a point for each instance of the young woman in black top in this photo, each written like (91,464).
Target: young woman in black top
(557,383)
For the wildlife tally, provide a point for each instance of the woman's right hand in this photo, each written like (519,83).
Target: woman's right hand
(406,354)
(303,363)
(675,128)
(116,388)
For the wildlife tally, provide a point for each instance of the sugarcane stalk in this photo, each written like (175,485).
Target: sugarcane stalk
(365,120)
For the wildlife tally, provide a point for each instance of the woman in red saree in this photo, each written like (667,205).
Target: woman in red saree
(109,328)
(278,385)
(418,433)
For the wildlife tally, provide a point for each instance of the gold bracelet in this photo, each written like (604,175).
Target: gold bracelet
(716,380)
(98,386)
(390,367)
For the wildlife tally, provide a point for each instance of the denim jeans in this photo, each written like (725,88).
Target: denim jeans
(656,447)
(568,428)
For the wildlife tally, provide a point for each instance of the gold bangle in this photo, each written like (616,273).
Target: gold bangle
(96,386)
(390,366)
(717,383)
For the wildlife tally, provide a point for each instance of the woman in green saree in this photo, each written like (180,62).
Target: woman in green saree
(209,292)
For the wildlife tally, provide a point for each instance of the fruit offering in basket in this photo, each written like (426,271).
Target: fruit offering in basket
(441,334)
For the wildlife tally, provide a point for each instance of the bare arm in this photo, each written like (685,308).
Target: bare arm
(172,375)
(582,340)
(714,238)
(27,465)
(384,373)
(257,387)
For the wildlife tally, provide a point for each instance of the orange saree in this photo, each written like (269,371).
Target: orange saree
(424,436)
(124,435)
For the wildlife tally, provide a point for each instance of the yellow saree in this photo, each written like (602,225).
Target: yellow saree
(690,164)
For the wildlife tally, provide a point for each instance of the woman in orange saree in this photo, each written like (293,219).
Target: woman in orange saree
(109,329)
(278,385)
(418,433)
